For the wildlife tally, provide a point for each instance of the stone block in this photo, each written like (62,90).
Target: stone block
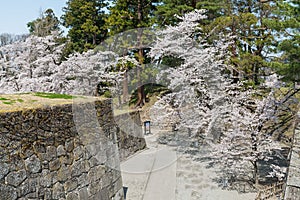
(70,185)
(4,169)
(83,180)
(46,179)
(61,150)
(96,173)
(39,148)
(94,188)
(83,193)
(101,157)
(72,196)
(54,165)
(78,152)
(44,193)
(79,167)
(54,177)
(33,164)
(25,188)
(7,192)
(69,145)
(51,152)
(64,173)
(67,159)
(16,178)
(58,191)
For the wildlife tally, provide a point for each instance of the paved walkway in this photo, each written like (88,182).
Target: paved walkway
(161,173)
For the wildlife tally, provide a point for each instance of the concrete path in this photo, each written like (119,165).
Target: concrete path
(161,173)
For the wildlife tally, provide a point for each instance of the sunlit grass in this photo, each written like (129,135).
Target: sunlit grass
(53,95)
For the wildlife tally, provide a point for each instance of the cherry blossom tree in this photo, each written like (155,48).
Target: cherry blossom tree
(81,73)
(244,140)
(35,65)
(198,83)
(28,65)
(205,100)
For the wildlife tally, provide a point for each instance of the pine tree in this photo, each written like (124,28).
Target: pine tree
(168,9)
(45,24)
(286,25)
(129,15)
(251,49)
(85,20)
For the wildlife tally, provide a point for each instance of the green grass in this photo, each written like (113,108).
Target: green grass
(53,95)
(3,99)
(9,102)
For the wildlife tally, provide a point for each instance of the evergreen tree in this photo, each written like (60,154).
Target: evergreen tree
(168,9)
(128,15)
(86,20)
(125,15)
(45,24)
(261,28)
(252,46)
(286,26)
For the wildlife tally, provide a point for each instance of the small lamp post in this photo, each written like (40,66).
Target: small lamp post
(147,129)
(125,191)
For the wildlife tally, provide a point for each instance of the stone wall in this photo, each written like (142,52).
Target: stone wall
(64,152)
(130,134)
(292,191)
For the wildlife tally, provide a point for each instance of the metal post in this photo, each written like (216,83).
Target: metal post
(125,191)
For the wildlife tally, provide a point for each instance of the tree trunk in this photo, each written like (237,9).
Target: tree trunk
(235,72)
(256,71)
(140,90)
(94,39)
(125,87)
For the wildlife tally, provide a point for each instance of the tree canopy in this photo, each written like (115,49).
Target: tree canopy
(45,24)
(86,23)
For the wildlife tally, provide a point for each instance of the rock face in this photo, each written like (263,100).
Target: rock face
(292,191)
(68,151)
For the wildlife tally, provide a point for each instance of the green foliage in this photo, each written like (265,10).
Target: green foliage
(171,61)
(107,94)
(168,9)
(103,88)
(165,14)
(125,15)
(53,95)
(132,16)
(45,24)
(254,40)
(86,23)
(287,26)
(7,101)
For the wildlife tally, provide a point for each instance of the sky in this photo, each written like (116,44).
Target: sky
(15,14)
